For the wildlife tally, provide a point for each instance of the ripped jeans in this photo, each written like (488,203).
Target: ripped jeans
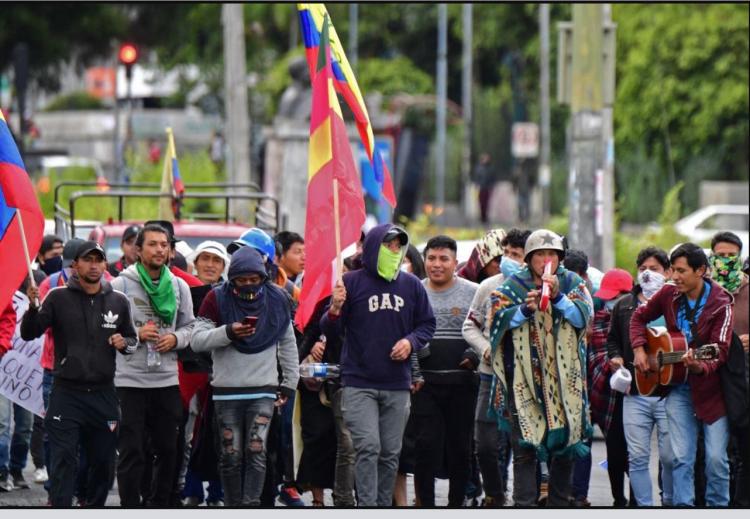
(242,430)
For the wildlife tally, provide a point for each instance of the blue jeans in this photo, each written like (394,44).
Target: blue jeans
(639,416)
(243,430)
(14,450)
(683,430)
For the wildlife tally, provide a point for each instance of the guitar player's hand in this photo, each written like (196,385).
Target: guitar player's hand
(693,366)
(640,360)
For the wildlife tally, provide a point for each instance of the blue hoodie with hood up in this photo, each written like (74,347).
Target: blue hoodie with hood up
(375,316)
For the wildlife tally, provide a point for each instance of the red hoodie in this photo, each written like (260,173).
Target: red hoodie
(7,328)
(714,326)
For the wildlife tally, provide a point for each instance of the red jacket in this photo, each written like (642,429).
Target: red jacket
(714,326)
(7,328)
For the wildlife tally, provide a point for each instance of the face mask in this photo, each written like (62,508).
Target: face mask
(249,292)
(726,271)
(509,267)
(52,265)
(650,282)
(388,263)
(609,305)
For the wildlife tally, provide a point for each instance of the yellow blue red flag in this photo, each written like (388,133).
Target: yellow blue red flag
(311,20)
(19,209)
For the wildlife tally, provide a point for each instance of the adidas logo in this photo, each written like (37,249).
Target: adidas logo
(110,320)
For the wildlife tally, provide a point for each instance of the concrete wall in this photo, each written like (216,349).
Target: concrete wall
(723,192)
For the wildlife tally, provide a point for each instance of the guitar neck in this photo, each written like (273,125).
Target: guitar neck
(675,357)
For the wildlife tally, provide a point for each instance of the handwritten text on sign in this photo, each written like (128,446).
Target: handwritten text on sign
(20,373)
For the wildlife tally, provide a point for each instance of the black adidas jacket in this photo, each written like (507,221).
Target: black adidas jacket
(81,326)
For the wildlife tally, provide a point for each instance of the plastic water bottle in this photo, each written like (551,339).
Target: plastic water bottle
(319,370)
(153,357)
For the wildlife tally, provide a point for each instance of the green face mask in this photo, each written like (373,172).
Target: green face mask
(388,263)
(726,271)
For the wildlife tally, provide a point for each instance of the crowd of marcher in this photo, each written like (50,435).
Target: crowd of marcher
(180,377)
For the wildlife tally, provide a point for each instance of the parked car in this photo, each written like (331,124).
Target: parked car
(707,221)
(109,236)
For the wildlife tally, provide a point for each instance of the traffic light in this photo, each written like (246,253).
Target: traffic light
(128,55)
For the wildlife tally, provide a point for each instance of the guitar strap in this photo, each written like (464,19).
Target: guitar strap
(690,313)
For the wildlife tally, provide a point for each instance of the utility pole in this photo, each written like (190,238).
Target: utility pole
(466,100)
(544,176)
(606,204)
(586,180)
(440,112)
(116,159)
(353,35)
(236,108)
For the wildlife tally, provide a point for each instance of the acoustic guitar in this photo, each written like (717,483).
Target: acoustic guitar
(665,350)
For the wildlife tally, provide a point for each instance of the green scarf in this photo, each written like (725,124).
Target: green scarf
(389,263)
(727,271)
(161,296)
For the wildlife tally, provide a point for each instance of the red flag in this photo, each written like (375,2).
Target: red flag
(330,156)
(16,196)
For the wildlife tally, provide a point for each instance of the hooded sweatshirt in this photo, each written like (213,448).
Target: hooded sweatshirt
(132,370)
(81,325)
(375,316)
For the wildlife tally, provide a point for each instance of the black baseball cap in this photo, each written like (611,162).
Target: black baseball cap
(131,231)
(70,250)
(396,232)
(88,247)
(167,226)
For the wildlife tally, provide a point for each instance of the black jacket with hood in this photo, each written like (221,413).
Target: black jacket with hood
(81,326)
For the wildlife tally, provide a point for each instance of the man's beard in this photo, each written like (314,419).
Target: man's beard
(91,280)
(152,265)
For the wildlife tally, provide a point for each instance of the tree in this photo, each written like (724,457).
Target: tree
(58,33)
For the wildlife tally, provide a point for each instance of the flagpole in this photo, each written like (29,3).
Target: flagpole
(26,251)
(337,229)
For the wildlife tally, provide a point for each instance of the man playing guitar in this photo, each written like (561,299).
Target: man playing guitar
(702,310)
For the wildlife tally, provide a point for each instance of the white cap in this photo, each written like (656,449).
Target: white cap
(212,247)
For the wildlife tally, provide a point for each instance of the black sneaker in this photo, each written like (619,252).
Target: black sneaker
(18,480)
(5,483)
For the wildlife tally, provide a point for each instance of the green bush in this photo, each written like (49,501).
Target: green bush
(195,167)
(75,101)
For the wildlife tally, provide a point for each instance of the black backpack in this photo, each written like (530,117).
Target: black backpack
(734,385)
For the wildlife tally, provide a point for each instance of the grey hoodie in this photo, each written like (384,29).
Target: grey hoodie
(131,369)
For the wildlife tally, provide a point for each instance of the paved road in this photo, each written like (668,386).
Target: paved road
(599,490)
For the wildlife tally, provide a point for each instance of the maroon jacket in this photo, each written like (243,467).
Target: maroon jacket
(714,326)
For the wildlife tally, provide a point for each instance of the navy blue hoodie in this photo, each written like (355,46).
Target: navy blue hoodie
(375,316)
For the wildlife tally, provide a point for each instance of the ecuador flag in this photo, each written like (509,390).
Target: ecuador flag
(330,157)
(171,182)
(18,205)
(311,19)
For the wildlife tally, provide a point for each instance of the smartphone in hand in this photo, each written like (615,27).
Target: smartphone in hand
(250,320)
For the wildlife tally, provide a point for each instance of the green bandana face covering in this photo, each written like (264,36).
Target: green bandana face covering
(388,263)
(161,296)
(726,271)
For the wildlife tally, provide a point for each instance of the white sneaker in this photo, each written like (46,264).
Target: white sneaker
(40,475)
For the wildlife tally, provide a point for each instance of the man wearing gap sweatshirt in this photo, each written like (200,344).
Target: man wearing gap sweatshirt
(383,314)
